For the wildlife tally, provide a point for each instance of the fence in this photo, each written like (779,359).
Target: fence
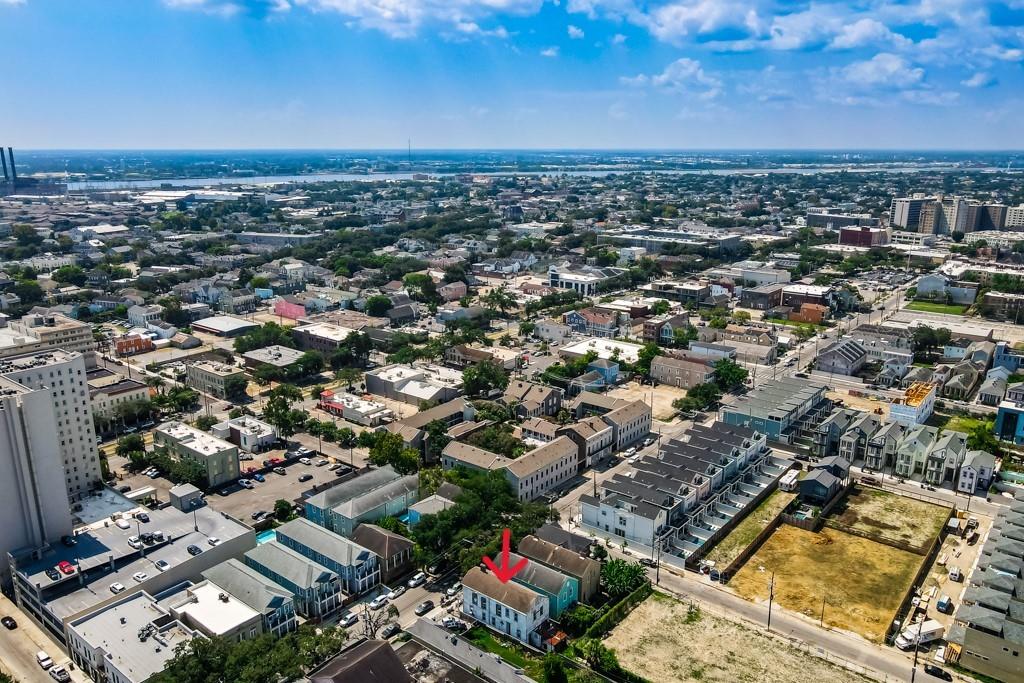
(617,612)
(815,523)
(752,547)
(922,573)
(878,538)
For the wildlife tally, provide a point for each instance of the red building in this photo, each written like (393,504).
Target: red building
(289,308)
(863,236)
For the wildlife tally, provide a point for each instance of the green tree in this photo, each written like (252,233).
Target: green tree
(482,377)
(596,655)
(282,509)
(204,422)
(729,374)
(279,412)
(499,299)
(554,669)
(389,449)
(133,443)
(236,388)
(619,577)
(660,307)
(647,353)
(378,305)
(437,439)
(982,438)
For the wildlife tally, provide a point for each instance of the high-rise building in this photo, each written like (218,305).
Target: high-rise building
(905,212)
(38,332)
(1015,216)
(31,470)
(63,376)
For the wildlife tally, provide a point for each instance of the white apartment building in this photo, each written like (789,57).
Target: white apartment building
(1015,216)
(64,375)
(143,316)
(543,469)
(37,333)
(630,423)
(218,457)
(31,471)
(508,608)
(246,432)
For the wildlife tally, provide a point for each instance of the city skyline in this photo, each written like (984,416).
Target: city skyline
(513,74)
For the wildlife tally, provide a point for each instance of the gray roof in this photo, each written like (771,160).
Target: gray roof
(511,594)
(327,543)
(368,661)
(302,572)
(536,575)
(353,488)
(780,397)
(247,586)
(353,508)
(381,542)
(556,556)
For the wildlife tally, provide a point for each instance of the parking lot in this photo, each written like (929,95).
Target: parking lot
(241,503)
(407,602)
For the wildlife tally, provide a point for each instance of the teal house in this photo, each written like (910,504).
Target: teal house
(561,591)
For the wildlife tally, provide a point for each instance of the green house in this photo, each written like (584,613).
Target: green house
(561,591)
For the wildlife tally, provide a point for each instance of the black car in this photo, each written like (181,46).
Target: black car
(648,562)
(68,541)
(424,607)
(305,477)
(933,670)
(53,574)
(9,623)
(390,630)
(124,489)
(194,550)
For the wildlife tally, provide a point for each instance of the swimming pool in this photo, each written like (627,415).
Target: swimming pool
(264,536)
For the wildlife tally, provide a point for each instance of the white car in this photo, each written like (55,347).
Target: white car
(630,452)
(162,565)
(116,588)
(246,483)
(135,542)
(396,592)
(213,540)
(123,524)
(305,461)
(417,580)
(348,619)
(454,590)
(140,576)
(378,602)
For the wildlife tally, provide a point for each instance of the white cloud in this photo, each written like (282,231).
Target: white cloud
(549,52)
(618,39)
(471,28)
(979,80)
(884,68)
(215,7)
(684,75)
(867,32)
(617,111)
(12,2)
(683,18)
(575,32)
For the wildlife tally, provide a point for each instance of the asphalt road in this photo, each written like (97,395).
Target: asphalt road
(18,649)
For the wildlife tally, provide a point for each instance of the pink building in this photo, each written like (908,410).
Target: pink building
(289,309)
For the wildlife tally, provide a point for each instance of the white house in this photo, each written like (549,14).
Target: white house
(246,432)
(976,472)
(508,608)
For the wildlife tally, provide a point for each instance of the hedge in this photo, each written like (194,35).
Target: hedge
(618,611)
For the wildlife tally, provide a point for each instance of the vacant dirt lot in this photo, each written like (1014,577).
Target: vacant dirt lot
(663,642)
(891,516)
(663,397)
(862,581)
(730,547)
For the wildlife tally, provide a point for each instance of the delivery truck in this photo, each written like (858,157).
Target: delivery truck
(919,634)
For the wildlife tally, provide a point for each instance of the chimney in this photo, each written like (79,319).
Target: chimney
(14,173)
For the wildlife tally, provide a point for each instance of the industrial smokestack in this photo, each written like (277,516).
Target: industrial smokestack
(4,160)
(14,172)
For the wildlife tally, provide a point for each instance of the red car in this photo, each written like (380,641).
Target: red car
(66,567)
(275,461)
(250,470)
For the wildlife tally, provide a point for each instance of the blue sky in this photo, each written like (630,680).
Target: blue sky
(927,74)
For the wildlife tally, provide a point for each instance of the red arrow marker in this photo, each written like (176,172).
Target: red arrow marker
(504,572)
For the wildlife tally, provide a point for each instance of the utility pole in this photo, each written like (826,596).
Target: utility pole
(917,647)
(821,621)
(771,596)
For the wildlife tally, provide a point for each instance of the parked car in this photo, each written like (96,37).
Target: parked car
(44,660)
(9,623)
(123,523)
(347,619)
(68,541)
(124,489)
(321,462)
(335,466)
(162,565)
(194,550)
(424,607)
(395,592)
(648,562)
(305,461)
(378,602)
(135,542)
(418,580)
(390,630)
(60,674)
(246,484)
(259,477)
(945,605)
(305,477)
(955,574)
(453,590)
(280,470)
(140,576)
(65,567)
(116,588)
(52,574)
(213,540)
(941,674)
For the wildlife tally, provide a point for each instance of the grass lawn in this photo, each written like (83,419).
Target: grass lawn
(507,650)
(862,581)
(891,516)
(729,548)
(931,307)
(962,423)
